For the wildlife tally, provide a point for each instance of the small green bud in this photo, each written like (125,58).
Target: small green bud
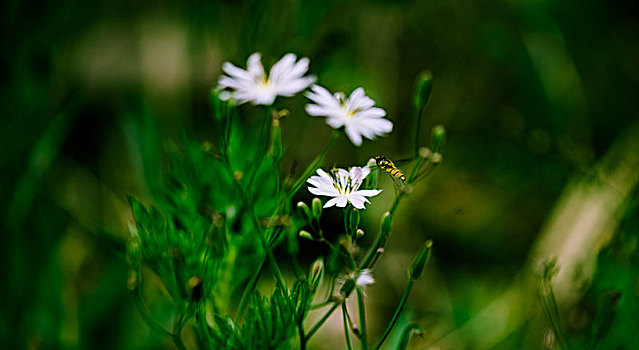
(194,287)
(359,233)
(347,287)
(423,88)
(276,149)
(353,220)
(316,273)
(436,158)
(305,211)
(417,269)
(424,152)
(438,137)
(317,208)
(306,234)
(387,223)
(133,280)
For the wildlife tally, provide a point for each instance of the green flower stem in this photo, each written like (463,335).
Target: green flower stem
(351,260)
(398,310)
(203,328)
(262,147)
(248,290)
(362,318)
(322,304)
(346,328)
(319,323)
(549,304)
(374,253)
(279,278)
(313,166)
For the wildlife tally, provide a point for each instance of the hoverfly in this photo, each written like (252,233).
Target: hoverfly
(388,166)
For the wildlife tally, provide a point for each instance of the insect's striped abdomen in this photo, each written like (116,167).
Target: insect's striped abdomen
(388,166)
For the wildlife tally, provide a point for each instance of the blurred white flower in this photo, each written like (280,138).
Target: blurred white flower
(347,282)
(355,113)
(343,186)
(364,278)
(286,78)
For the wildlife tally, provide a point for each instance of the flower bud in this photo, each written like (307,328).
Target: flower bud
(424,152)
(305,212)
(353,220)
(317,208)
(359,233)
(194,287)
(423,88)
(275,148)
(316,274)
(306,234)
(347,287)
(417,269)
(387,224)
(438,137)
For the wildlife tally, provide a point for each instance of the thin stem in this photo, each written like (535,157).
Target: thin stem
(319,323)
(314,164)
(346,328)
(261,151)
(416,116)
(203,328)
(373,254)
(322,304)
(362,318)
(398,310)
(551,310)
(279,278)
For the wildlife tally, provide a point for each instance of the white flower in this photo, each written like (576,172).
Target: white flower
(364,278)
(343,186)
(286,78)
(356,113)
(351,280)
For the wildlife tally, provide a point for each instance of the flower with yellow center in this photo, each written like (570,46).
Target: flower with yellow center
(343,186)
(355,113)
(286,78)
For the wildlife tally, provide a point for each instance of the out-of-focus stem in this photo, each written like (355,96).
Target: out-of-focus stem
(319,323)
(346,328)
(398,311)
(314,164)
(362,318)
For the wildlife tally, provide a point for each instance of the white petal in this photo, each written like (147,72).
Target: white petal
(254,65)
(291,87)
(234,71)
(315,110)
(353,134)
(282,68)
(335,123)
(359,101)
(357,201)
(341,202)
(367,193)
(323,191)
(374,112)
(332,202)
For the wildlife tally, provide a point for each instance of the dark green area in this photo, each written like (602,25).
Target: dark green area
(101,101)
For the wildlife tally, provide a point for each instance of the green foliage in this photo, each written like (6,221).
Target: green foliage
(271,322)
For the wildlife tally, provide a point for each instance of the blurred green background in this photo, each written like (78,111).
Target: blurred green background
(539,99)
